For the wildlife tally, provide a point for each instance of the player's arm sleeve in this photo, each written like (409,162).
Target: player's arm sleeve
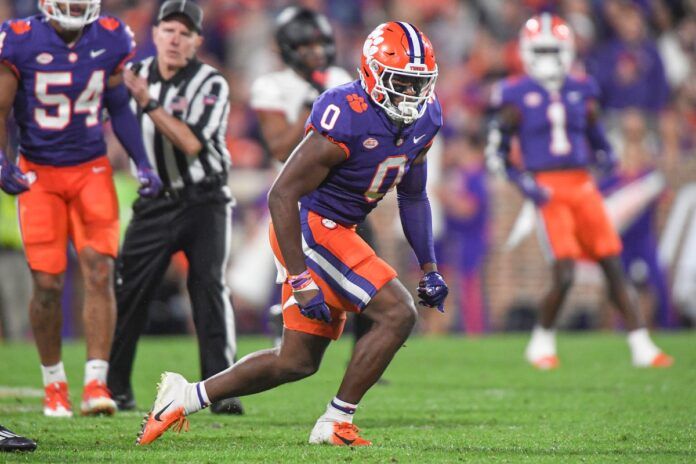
(414,210)
(502,126)
(209,109)
(333,119)
(125,124)
(123,38)
(602,153)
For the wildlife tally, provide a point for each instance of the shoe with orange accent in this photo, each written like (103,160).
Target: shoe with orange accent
(96,400)
(57,401)
(337,434)
(545,363)
(541,349)
(167,411)
(660,360)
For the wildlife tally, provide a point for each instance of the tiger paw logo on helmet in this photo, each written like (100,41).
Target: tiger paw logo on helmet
(375,38)
(356,103)
(398,70)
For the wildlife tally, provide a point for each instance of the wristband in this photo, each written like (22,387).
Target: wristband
(302,282)
(152,105)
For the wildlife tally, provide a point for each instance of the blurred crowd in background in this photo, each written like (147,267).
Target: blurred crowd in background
(642,53)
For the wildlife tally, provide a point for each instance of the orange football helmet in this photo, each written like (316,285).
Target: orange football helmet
(396,58)
(71,14)
(547,48)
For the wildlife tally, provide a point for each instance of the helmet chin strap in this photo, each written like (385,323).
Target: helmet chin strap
(70,26)
(409,111)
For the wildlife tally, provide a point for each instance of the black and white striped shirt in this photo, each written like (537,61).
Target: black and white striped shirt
(199,96)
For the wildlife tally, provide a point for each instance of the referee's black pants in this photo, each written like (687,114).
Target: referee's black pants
(197,222)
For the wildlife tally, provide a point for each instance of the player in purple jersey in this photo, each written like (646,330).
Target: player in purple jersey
(363,138)
(555,117)
(59,70)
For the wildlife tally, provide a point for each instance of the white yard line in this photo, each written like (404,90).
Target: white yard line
(22,392)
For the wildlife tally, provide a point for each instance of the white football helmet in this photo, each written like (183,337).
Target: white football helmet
(547,48)
(71,14)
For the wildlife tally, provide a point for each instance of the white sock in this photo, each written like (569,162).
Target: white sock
(96,369)
(196,398)
(339,411)
(542,343)
(643,350)
(52,374)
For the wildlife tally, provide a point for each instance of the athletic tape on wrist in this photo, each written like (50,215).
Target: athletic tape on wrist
(302,282)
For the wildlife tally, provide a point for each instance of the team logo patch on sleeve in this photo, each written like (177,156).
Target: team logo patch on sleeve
(20,27)
(357,103)
(110,24)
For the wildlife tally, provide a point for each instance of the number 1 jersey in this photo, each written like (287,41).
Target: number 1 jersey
(61,88)
(552,127)
(378,153)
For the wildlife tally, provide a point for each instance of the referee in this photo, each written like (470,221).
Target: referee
(183,108)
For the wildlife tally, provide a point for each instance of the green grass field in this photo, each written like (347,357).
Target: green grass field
(450,400)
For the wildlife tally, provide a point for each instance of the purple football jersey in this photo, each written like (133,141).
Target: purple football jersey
(60,97)
(379,155)
(552,126)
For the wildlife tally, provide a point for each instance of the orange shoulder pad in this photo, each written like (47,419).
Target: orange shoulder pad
(110,24)
(20,27)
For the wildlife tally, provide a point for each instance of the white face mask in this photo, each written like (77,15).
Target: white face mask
(410,107)
(548,69)
(547,61)
(71,14)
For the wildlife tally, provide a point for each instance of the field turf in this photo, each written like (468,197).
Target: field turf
(449,400)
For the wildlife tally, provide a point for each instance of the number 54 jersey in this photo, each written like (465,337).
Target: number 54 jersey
(61,87)
(378,153)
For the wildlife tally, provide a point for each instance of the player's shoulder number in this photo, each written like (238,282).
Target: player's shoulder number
(330,116)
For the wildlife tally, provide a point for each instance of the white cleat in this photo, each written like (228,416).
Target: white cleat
(541,349)
(96,400)
(56,400)
(336,433)
(660,360)
(168,409)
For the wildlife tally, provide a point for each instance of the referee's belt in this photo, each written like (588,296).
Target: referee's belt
(207,185)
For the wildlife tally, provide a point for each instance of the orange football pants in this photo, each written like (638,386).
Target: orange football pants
(576,223)
(67,202)
(342,264)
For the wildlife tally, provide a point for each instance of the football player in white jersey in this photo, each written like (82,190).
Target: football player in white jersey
(282,100)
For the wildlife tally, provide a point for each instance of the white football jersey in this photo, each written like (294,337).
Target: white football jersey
(285,91)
